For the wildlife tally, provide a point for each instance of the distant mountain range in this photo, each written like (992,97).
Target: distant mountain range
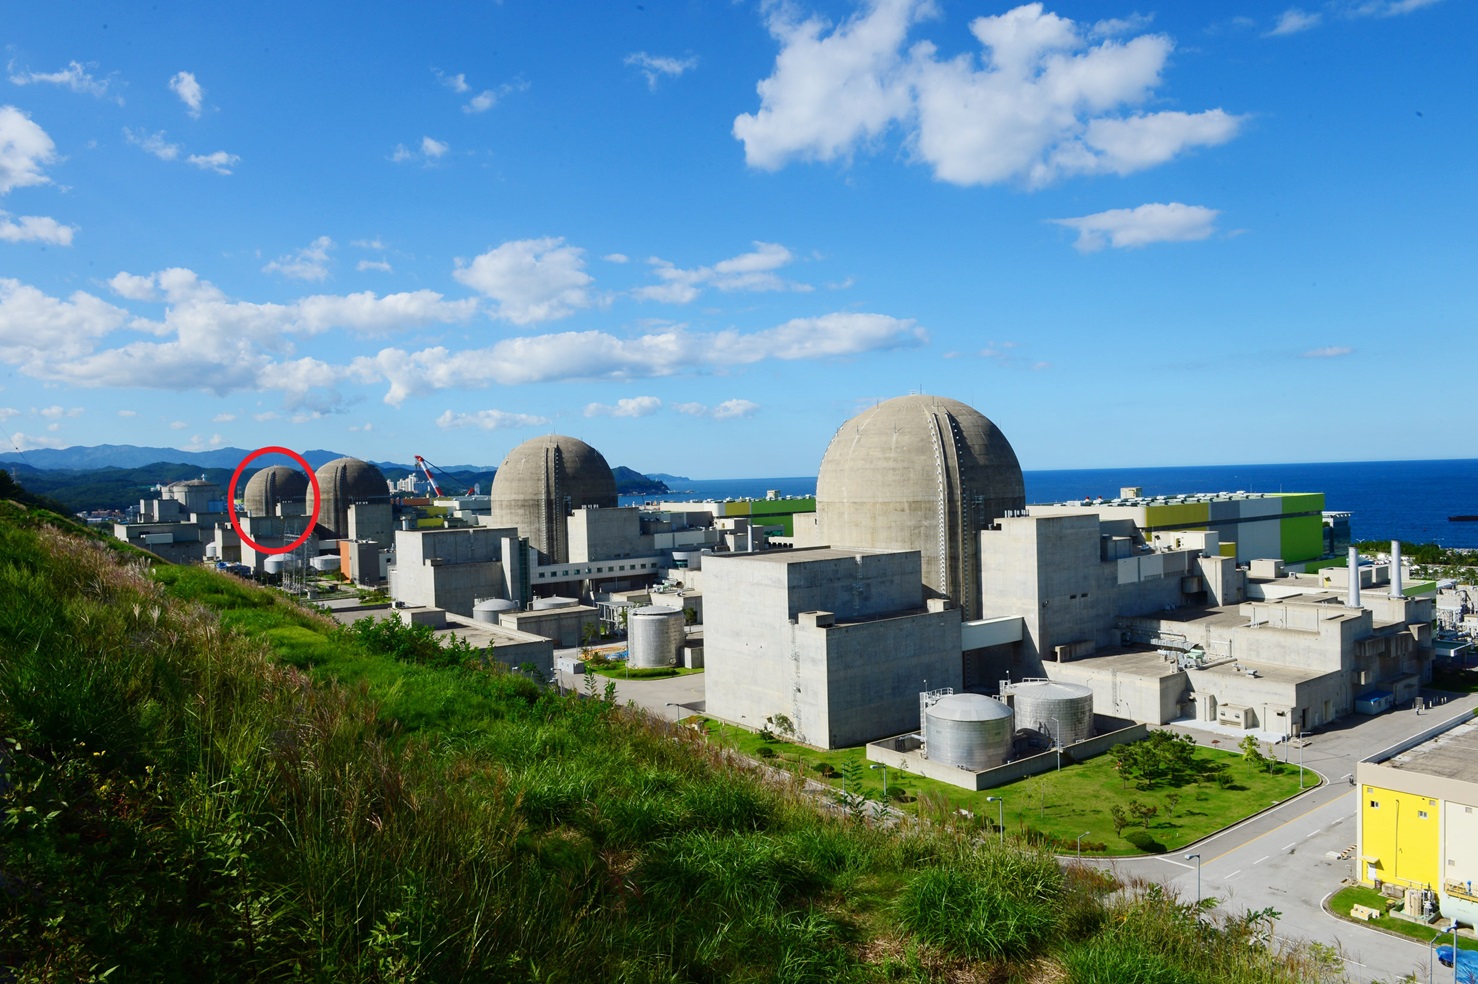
(111,476)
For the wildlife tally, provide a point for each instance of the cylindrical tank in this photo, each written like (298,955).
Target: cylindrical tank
(1061,711)
(971,731)
(210,551)
(654,636)
(327,562)
(545,604)
(489,609)
(277,563)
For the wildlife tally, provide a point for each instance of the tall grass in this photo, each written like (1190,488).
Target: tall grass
(200,781)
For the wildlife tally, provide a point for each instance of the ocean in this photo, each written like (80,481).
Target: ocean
(1402,500)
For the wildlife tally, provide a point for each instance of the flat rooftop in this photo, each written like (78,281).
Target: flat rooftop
(1450,755)
(801,555)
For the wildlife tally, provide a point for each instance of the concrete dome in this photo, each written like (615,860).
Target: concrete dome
(343,482)
(921,473)
(969,707)
(541,482)
(274,485)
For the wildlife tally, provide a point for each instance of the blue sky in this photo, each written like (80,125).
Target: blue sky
(700,235)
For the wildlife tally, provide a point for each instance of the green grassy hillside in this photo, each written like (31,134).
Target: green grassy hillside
(202,781)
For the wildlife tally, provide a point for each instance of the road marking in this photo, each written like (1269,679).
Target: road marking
(1262,859)
(1176,863)
(1312,833)
(1242,823)
(1288,847)
(1340,820)
(1232,875)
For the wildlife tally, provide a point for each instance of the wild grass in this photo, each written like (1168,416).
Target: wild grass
(200,780)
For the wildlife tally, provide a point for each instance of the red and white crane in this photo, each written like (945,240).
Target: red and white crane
(426,467)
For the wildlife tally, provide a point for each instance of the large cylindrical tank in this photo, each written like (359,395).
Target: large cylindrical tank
(654,636)
(277,563)
(545,604)
(489,609)
(1063,712)
(971,731)
(326,562)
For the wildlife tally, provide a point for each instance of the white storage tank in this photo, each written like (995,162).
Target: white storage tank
(654,637)
(971,731)
(277,563)
(327,562)
(1062,712)
(545,604)
(489,609)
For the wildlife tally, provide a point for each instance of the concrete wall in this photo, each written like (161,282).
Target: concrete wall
(885,753)
(566,626)
(453,569)
(606,534)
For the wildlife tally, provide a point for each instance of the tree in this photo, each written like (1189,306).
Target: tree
(1161,758)
(1252,751)
(1171,801)
(1119,817)
(1143,813)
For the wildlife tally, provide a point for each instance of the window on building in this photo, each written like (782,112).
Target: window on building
(1421,814)
(1375,804)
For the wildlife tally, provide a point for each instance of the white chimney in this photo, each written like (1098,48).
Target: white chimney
(1352,600)
(1395,568)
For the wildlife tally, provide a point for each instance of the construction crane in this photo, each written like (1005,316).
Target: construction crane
(426,467)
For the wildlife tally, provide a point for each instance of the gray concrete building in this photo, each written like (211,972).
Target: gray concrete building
(838,641)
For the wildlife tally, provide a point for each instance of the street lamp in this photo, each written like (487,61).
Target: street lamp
(1196,858)
(1057,740)
(1300,760)
(1080,844)
(1000,815)
(885,779)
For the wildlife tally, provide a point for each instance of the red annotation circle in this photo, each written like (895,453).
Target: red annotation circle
(231,500)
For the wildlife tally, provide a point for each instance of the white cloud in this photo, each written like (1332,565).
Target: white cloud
(374,243)
(219,161)
(1388,8)
(635,406)
(7,412)
(184,85)
(616,258)
(308,263)
(599,355)
(749,271)
(58,412)
(74,77)
(223,418)
(431,149)
(1038,103)
(24,150)
(35,229)
(178,425)
(128,413)
(490,420)
(153,143)
(456,83)
(724,411)
(36,330)
(1293,21)
(132,287)
(1153,223)
(31,442)
(381,265)
(828,94)
(1112,27)
(656,66)
(533,280)
(1330,352)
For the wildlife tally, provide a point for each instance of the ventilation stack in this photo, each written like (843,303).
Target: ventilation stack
(1352,600)
(1395,568)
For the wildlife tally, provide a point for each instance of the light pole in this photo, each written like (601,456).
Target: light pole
(1057,740)
(1196,858)
(1000,815)
(1300,760)
(1080,844)
(885,779)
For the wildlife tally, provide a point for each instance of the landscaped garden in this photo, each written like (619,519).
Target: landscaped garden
(1168,793)
(1341,902)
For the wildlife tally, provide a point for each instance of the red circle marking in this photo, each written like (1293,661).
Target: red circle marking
(231,500)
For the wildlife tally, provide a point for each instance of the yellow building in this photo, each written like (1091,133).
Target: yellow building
(1418,817)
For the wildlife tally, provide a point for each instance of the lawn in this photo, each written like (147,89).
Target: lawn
(1342,901)
(620,671)
(1056,805)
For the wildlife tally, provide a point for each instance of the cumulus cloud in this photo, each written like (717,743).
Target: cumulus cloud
(1131,227)
(1039,102)
(35,229)
(1387,8)
(1293,21)
(223,418)
(25,149)
(132,287)
(490,420)
(532,280)
(457,83)
(32,442)
(654,67)
(153,143)
(74,77)
(749,271)
(308,263)
(616,258)
(635,406)
(484,100)
(128,413)
(1329,352)
(184,85)
(431,150)
(219,161)
(599,355)
(723,411)
(382,266)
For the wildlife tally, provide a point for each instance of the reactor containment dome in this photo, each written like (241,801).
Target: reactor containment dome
(342,483)
(541,482)
(921,473)
(273,486)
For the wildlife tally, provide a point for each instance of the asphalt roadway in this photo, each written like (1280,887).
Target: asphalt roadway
(1290,857)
